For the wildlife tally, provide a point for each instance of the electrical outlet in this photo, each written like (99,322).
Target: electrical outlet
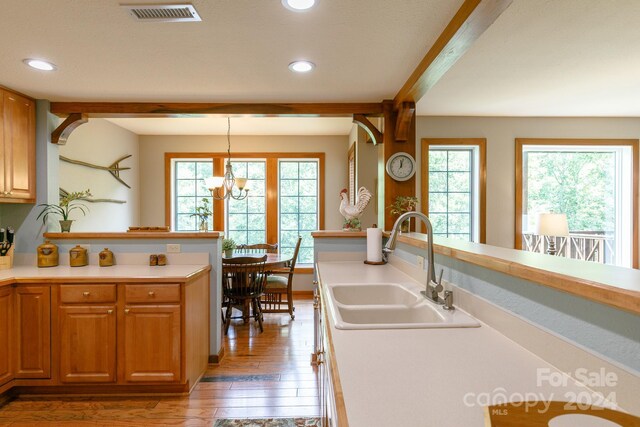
(173,248)
(420,260)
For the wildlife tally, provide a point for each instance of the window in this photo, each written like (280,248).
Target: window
(298,206)
(247,218)
(453,187)
(591,182)
(286,197)
(189,191)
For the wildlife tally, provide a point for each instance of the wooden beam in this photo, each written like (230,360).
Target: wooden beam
(373,132)
(60,135)
(468,24)
(148,109)
(403,121)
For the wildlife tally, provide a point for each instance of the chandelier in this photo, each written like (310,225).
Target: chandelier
(221,187)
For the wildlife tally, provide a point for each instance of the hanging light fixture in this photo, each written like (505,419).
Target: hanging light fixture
(221,187)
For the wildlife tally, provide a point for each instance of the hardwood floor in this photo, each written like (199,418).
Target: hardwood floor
(261,375)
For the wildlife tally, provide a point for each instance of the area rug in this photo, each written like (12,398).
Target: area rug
(268,422)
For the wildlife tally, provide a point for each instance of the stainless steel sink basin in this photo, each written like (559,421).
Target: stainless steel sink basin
(389,306)
(373,294)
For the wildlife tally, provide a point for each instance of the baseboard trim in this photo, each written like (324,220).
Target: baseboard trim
(217,358)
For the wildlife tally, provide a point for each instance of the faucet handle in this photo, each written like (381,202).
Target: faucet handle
(438,284)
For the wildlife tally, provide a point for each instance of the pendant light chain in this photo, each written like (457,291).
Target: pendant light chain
(225,190)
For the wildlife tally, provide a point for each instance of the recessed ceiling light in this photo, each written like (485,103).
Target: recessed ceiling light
(301,66)
(39,64)
(298,5)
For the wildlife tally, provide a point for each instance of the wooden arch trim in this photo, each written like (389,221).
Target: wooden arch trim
(60,135)
(373,132)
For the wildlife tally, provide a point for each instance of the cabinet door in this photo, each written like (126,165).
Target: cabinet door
(152,337)
(19,147)
(87,344)
(6,315)
(33,332)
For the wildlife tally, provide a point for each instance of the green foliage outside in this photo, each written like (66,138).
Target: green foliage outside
(580,184)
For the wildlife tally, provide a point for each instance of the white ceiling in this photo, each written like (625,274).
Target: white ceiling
(540,58)
(209,125)
(548,58)
(364,50)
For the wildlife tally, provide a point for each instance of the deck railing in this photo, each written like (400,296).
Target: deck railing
(596,246)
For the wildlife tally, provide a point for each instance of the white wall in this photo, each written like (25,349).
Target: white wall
(501,133)
(152,149)
(101,142)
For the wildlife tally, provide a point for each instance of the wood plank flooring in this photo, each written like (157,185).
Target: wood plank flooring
(261,375)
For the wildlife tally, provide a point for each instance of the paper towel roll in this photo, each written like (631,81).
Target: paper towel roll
(374,244)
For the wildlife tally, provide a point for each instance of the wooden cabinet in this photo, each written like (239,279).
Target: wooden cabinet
(87,343)
(33,332)
(151,336)
(6,335)
(17,148)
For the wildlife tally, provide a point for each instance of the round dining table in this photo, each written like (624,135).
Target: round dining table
(273,262)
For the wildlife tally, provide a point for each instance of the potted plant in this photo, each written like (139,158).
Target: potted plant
(68,203)
(203,212)
(228,245)
(401,205)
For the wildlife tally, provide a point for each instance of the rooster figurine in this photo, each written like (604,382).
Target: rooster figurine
(351,213)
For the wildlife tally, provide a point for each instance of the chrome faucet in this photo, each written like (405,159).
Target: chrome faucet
(434,287)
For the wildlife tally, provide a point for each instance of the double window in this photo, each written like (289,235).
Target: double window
(453,187)
(284,199)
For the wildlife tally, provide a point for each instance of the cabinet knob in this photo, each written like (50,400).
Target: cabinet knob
(151,293)
(86,294)
(10,192)
(126,311)
(6,192)
(109,311)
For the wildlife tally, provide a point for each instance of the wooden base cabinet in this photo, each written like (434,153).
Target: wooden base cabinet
(87,344)
(152,344)
(6,335)
(32,314)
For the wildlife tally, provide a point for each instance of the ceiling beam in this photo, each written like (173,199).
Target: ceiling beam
(468,24)
(150,109)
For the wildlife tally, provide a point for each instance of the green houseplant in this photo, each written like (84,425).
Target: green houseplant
(69,203)
(203,212)
(228,245)
(401,205)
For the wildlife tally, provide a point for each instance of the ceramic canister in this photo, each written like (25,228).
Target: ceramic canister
(47,254)
(105,258)
(78,257)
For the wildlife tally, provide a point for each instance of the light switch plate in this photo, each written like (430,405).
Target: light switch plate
(173,248)
(420,261)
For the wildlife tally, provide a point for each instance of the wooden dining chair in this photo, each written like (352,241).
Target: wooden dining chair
(258,248)
(243,284)
(279,284)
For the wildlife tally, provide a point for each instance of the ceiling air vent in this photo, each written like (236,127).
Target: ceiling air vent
(163,12)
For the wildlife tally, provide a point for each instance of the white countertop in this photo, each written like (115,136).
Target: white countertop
(94,272)
(421,377)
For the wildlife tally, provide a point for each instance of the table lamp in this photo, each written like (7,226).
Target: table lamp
(552,225)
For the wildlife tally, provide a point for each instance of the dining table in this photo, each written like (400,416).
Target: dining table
(273,262)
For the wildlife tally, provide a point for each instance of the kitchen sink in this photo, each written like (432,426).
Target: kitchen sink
(373,294)
(389,306)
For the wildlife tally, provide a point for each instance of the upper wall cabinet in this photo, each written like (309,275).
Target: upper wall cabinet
(17,148)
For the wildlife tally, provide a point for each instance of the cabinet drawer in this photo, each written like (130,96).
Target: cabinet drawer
(87,293)
(152,293)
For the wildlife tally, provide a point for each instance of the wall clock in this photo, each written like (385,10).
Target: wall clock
(401,166)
